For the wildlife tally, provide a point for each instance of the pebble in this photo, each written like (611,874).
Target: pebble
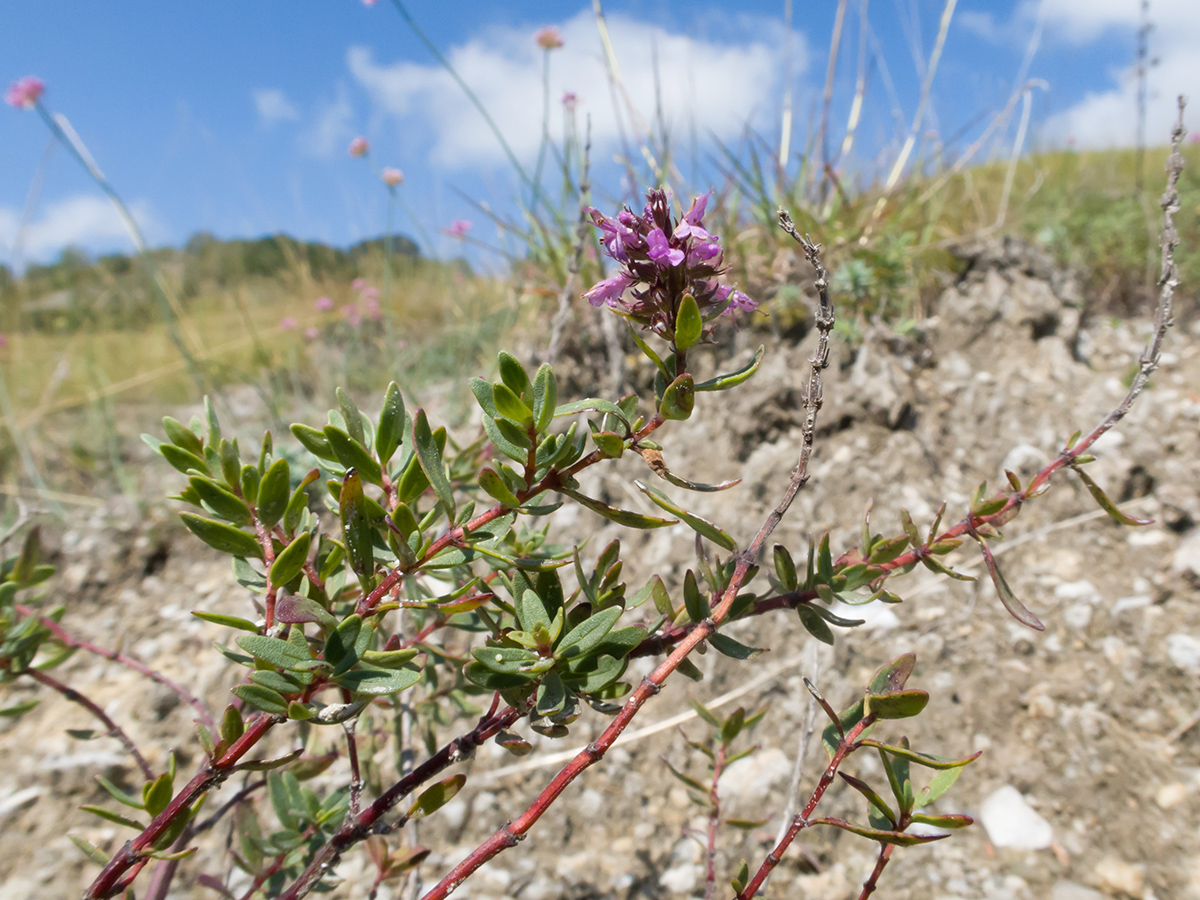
(680,879)
(1069,890)
(1187,555)
(1115,876)
(1184,651)
(1171,794)
(1011,822)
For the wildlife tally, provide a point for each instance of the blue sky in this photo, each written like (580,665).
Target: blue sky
(234,117)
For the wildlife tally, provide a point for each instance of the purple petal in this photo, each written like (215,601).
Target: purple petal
(660,250)
(608,291)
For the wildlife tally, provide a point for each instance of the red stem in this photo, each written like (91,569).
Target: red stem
(885,853)
(714,820)
(801,821)
(66,638)
(110,881)
(114,730)
(360,827)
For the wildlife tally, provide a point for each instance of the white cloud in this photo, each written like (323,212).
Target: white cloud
(331,131)
(81,220)
(712,86)
(273,106)
(1107,118)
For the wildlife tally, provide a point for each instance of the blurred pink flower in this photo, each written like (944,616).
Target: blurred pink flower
(287,323)
(350,311)
(311,334)
(458,228)
(23,94)
(369,294)
(549,38)
(358,283)
(570,101)
(392,177)
(1195,138)
(401,345)
(370,2)
(3,342)
(360,146)
(323,304)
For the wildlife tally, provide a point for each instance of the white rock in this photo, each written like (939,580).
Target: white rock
(1069,890)
(1082,590)
(680,879)
(1187,555)
(750,781)
(1011,822)
(1184,651)
(1078,615)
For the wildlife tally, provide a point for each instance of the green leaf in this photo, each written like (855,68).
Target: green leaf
(696,523)
(491,482)
(620,516)
(695,602)
(390,432)
(114,817)
(888,550)
(688,323)
(279,653)
(133,801)
(513,445)
(785,569)
(733,379)
(357,528)
(814,624)
(228,621)
(276,682)
(430,456)
(679,399)
(390,659)
(273,493)
(872,797)
(938,785)
(687,779)
(545,397)
(221,500)
(512,373)
(11,712)
(291,559)
(314,441)
(705,713)
(729,647)
(435,797)
(899,705)
(928,760)
(181,460)
(934,565)
(894,676)
(648,351)
(531,611)
(232,724)
(483,395)
(1105,504)
(351,416)
(506,660)
(551,696)
(593,403)
(157,794)
(899,838)
(262,698)
(222,537)
(952,820)
(588,634)
(89,850)
(370,680)
(1014,606)
(510,405)
(354,455)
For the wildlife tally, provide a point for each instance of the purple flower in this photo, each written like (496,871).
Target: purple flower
(287,323)
(660,251)
(458,228)
(323,304)
(661,259)
(608,291)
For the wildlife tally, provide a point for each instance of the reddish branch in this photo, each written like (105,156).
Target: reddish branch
(64,637)
(114,730)
(514,832)
(714,821)
(847,746)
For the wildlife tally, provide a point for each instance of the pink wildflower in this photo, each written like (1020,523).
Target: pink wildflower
(549,38)
(311,334)
(24,94)
(570,101)
(458,228)
(360,146)
(323,304)
(358,284)
(3,342)
(392,177)
(287,323)
(369,294)
(350,311)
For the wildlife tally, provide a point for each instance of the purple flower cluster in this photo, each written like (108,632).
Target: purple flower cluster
(662,260)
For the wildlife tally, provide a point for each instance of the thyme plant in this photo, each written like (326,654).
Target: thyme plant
(412,579)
